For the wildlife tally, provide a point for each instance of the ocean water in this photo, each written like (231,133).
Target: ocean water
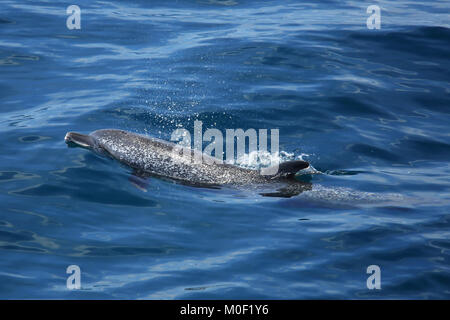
(369,108)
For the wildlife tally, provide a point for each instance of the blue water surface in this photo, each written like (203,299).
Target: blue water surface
(370,108)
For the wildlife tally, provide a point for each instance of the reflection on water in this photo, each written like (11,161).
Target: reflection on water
(368,108)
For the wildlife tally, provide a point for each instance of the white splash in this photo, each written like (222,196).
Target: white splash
(260,159)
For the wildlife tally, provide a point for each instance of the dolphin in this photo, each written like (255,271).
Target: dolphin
(148,156)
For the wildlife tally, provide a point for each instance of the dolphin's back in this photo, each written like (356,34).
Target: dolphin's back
(163,158)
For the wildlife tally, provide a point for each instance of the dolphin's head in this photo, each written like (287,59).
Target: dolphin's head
(75,139)
(99,141)
(86,141)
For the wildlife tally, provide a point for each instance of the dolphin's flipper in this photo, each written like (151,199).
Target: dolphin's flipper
(140,182)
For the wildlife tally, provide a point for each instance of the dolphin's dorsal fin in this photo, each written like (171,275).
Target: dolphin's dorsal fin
(288,169)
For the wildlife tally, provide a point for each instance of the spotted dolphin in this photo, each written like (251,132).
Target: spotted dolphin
(149,156)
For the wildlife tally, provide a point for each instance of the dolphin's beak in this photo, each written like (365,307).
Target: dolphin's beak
(74,139)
